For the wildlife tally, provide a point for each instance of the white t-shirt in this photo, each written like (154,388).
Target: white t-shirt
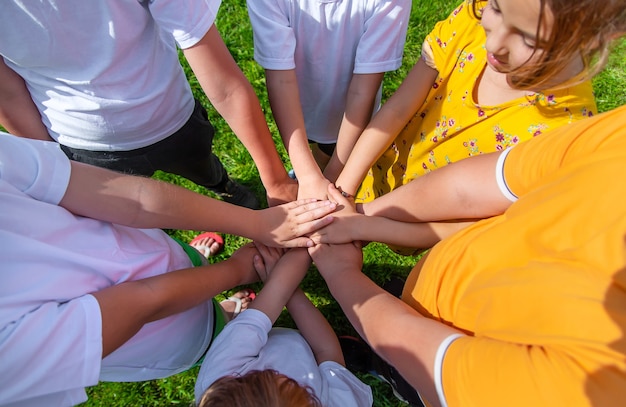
(50,259)
(105,75)
(327,41)
(250,343)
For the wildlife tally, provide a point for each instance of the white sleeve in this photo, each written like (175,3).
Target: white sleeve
(381,47)
(37,168)
(240,341)
(504,188)
(274,39)
(187,20)
(441,352)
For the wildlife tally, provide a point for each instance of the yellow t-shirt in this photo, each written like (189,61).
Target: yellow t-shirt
(541,289)
(451,125)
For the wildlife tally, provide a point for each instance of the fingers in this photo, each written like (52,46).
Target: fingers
(312,226)
(309,209)
(336,195)
(318,237)
(259,267)
(269,256)
(303,242)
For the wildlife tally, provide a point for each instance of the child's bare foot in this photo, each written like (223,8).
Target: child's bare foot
(237,303)
(208,244)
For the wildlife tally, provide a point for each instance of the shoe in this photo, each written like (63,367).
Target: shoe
(237,194)
(360,358)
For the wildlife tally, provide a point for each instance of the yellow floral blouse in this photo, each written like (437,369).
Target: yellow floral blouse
(451,125)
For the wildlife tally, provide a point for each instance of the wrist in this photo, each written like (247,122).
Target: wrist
(346,187)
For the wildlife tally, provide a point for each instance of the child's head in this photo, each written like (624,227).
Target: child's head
(257,389)
(543,43)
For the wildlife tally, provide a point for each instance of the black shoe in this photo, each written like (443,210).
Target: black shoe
(237,194)
(360,358)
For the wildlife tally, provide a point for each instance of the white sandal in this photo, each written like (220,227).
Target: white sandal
(237,302)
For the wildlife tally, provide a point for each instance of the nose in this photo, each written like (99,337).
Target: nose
(496,40)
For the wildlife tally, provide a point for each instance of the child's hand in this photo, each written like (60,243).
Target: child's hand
(242,262)
(346,221)
(286,225)
(332,259)
(266,259)
(313,187)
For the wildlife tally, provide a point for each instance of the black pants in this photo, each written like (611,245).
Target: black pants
(187,152)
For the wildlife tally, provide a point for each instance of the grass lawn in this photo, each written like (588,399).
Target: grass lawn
(379,262)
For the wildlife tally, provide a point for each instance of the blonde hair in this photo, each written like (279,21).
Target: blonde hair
(259,388)
(580,27)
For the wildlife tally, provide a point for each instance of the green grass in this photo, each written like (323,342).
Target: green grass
(379,262)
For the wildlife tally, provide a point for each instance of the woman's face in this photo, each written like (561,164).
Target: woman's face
(511,28)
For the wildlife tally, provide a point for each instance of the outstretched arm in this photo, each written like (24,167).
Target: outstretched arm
(467,189)
(395,331)
(233,97)
(425,210)
(127,307)
(281,279)
(284,97)
(147,203)
(386,124)
(18,113)
(359,107)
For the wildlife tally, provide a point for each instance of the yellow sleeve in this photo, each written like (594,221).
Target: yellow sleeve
(535,160)
(451,36)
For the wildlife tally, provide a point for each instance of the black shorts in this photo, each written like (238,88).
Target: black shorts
(187,152)
(327,149)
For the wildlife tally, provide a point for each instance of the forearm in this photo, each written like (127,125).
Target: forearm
(143,202)
(315,329)
(147,203)
(359,107)
(386,125)
(284,98)
(233,97)
(398,333)
(127,307)
(282,282)
(370,146)
(466,189)
(406,234)
(18,113)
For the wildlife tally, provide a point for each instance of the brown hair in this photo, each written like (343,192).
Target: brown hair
(259,388)
(581,27)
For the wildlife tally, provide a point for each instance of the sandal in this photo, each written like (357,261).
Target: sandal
(204,249)
(238,301)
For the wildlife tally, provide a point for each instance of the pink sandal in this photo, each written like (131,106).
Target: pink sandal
(204,249)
